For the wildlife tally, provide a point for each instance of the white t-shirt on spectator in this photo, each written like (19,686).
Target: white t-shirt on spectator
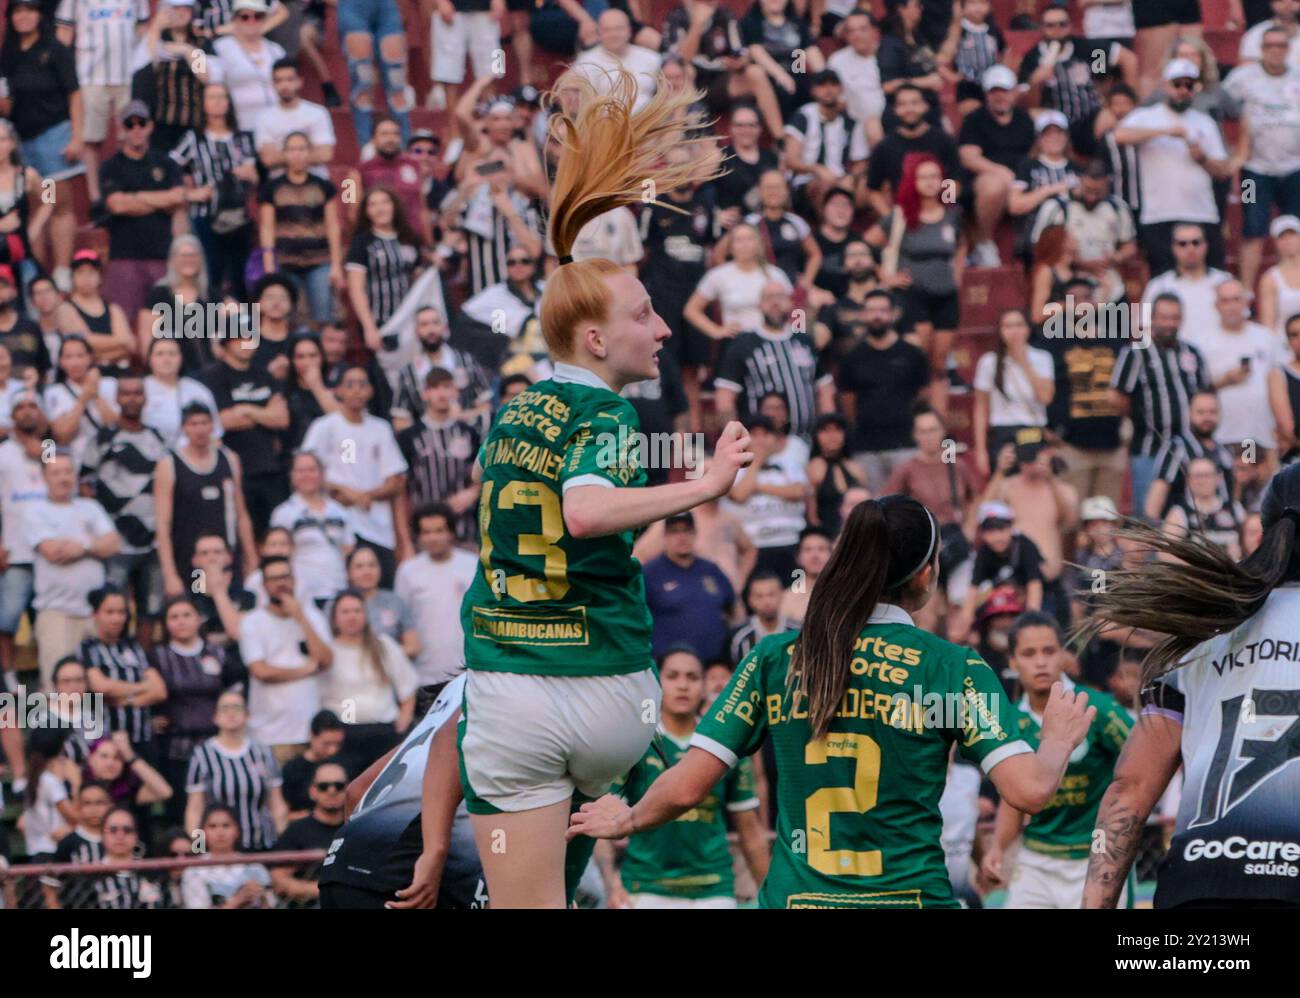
(1109,20)
(1197,294)
(22,483)
(42,818)
(738,292)
(864,98)
(163,405)
(1252,45)
(361,456)
(1174,187)
(277,123)
(1019,405)
(1245,411)
(1271,108)
(247,76)
(598,64)
(350,688)
(611,236)
(433,591)
(319,539)
(770,521)
(61,398)
(280,713)
(65,587)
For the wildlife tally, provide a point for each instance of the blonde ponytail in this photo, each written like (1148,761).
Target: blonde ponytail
(611,157)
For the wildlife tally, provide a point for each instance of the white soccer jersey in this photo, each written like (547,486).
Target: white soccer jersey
(105,37)
(1238,699)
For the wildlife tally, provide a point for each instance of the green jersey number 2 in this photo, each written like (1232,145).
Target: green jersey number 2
(857,799)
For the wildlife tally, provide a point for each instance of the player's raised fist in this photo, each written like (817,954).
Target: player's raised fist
(734,451)
(1067,716)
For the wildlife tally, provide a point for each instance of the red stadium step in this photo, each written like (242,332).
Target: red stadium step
(986,292)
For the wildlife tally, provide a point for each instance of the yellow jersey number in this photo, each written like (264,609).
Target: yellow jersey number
(525,588)
(858,799)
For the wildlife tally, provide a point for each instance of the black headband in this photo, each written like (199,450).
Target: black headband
(565,259)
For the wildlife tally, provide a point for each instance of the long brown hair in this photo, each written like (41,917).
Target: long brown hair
(1201,595)
(610,157)
(884,545)
(372,650)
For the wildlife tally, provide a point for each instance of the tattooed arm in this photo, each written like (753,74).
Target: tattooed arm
(1151,756)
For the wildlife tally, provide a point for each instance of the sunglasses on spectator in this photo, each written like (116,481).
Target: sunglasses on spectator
(523,261)
(249,16)
(133,123)
(1189,242)
(331,785)
(1183,84)
(423,150)
(1057,24)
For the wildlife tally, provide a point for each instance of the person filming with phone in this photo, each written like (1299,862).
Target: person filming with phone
(1238,356)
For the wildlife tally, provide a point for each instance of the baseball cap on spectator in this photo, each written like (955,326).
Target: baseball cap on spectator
(686,520)
(527,94)
(21,397)
(999,77)
(135,109)
(257,6)
(1002,600)
(1029,441)
(7,274)
(179,3)
(423,135)
(1284,223)
(995,515)
(1098,508)
(1182,69)
(1051,119)
(86,257)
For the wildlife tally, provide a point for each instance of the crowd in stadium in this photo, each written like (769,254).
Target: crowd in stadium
(915,277)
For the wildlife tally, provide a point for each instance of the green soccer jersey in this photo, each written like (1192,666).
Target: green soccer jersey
(1064,827)
(689,857)
(544,602)
(859,821)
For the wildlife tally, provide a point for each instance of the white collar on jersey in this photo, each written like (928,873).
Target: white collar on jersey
(573,374)
(1066,682)
(890,613)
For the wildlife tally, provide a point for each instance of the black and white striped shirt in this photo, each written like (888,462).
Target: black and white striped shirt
(756,363)
(124,661)
(105,38)
(748,634)
(206,159)
(834,144)
(487,253)
(441,458)
(389,266)
(209,15)
(1178,452)
(472,381)
(1069,89)
(978,49)
(242,781)
(78,846)
(121,463)
(1160,383)
(128,890)
(1126,180)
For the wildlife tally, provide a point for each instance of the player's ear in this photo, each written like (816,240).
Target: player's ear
(593,337)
